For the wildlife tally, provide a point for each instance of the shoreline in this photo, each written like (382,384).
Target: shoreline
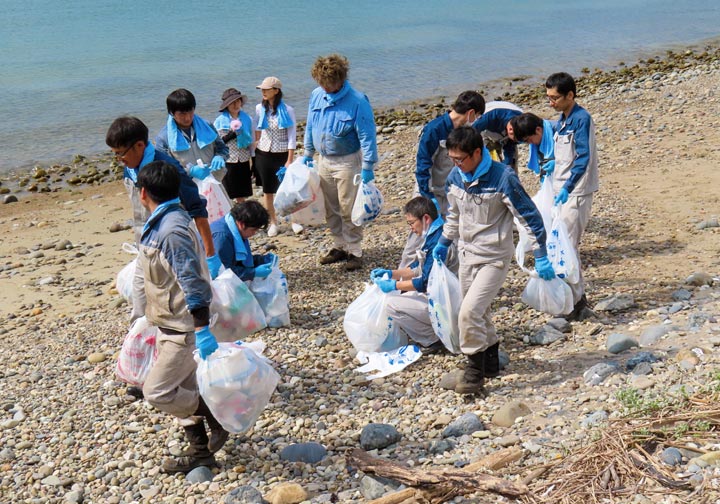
(526,91)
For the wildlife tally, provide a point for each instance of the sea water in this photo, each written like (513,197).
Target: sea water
(67,69)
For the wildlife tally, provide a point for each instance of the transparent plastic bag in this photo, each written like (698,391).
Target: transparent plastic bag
(296,190)
(314,213)
(124,279)
(382,364)
(218,204)
(549,296)
(235,313)
(236,384)
(368,325)
(544,200)
(138,353)
(561,252)
(368,202)
(271,293)
(444,300)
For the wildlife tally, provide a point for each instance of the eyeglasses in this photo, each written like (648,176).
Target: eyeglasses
(458,161)
(120,155)
(555,98)
(412,222)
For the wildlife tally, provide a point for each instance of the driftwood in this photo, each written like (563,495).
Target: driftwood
(436,485)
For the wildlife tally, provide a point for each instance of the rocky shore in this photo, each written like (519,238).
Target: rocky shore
(573,417)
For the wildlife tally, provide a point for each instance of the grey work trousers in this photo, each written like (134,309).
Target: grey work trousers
(409,311)
(576,214)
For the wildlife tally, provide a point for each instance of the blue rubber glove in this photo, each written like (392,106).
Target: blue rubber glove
(263,270)
(549,167)
(544,268)
(280,174)
(379,273)
(217,163)
(199,172)
(269,258)
(307,160)
(440,251)
(367,175)
(214,264)
(562,197)
(437,205)
(205,342)
(386,285)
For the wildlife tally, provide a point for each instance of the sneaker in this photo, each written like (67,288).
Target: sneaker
(272,230)
(335,255)
(297,228)
(353,263)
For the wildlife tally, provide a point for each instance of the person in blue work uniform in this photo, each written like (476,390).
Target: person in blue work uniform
(189,138)
(178,302)
(409,309)
(128,139)
(493,124)
(576,177)
(341,129)
(432,165)
(230,236)
(539,135)
(485,196)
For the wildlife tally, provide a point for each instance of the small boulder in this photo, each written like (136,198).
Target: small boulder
(286,493)
(200,474)
(652,334)
(465,424)
(509,412)
(376,436)
(671,456)
(617,302)
(546,335)
(244,495)
(311,453)
(599,372)
(618,342)
(699,278)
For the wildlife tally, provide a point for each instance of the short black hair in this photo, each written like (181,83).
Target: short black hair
(469,100)
(251,213)
(180,100)
(563,82)
(465,139)
(126,131)
(525,125)
(419,206)
(160,180)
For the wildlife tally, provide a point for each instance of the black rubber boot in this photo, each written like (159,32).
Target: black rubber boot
(195,456)
(473,379)
(218,435)
(492,361)
(581,311)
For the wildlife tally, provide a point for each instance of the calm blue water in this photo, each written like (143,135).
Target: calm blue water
(69,68)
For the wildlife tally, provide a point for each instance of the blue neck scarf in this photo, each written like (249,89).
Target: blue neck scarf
(162,207)
(546,147)
(204,134)
(242,246)
(148,156)
(481,169)
(244,134)
(284,120)
(332,98)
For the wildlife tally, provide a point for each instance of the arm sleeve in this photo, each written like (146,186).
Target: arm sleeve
(524,210)
(452,220)
(428,145)
(365,128)
(189,195)
(221,149)
(292,130)
(307,139)
(582,153)
(161,141)
(225,250)
(179,251)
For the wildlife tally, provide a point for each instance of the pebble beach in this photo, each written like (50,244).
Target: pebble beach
(70,433)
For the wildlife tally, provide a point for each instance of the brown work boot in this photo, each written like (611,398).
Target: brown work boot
(581,311)
(195,456)
(492,361)
(473,379)
(353,263)
(218,435)
(335,255)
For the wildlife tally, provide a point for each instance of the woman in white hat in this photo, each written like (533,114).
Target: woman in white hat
(236,129)
(276,139)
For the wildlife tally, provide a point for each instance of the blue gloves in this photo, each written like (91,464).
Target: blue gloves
(307,160)
(263,270)
(199,172)
(205,342)
(378,273)
(562,197)
(544,268)
(386,285)
(548,167)
(214,264)
(367,175)
(217,163)
(280,174)
(441,249)
(269,258)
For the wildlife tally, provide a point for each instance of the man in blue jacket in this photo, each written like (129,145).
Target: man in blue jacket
(178,302)
(485,196)
(493,124)
(576,177)
(341,128)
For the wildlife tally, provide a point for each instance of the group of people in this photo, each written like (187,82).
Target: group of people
(466,201)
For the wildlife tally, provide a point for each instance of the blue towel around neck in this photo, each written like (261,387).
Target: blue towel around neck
(242,246)
(204,134)
(244,134)
(160,208)
(284,119)
(547,147)
(481,169)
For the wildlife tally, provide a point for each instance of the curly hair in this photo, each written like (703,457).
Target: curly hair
(329,71)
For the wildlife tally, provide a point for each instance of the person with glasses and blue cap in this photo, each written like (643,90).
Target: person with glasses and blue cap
(484,196)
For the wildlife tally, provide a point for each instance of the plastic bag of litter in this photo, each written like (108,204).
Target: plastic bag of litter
(444,300)
(549,296)
(236,384)
(367,323)
(561,252)
(387,363)
(296,190)
(218,204)
(124,279)
(314,213)
(138,353)
(368,202)
(271,293)
(235,311)
(544,200)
